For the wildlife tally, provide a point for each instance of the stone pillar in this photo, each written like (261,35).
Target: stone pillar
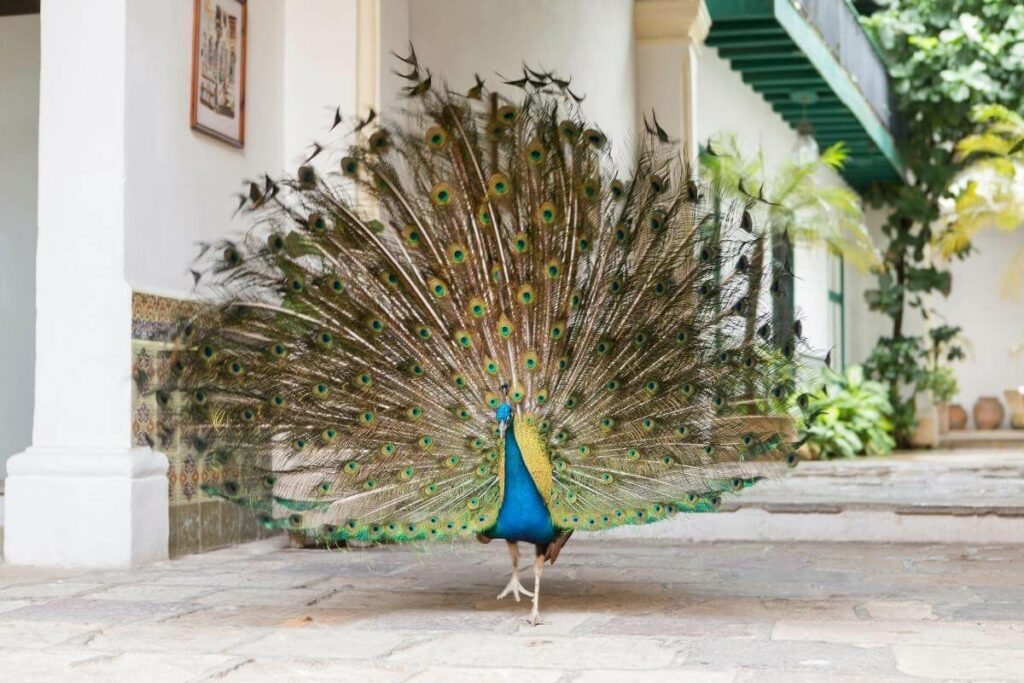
(81,495)
(669,34)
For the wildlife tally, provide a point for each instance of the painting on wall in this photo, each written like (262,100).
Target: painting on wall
(218,69)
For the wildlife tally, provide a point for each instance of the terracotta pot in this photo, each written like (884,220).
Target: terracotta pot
(1015,401)
(988,413)
(957,417)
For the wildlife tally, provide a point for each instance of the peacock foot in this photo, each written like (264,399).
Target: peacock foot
(534,618)
(515,588)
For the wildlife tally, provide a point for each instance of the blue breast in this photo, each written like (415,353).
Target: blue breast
(523,516)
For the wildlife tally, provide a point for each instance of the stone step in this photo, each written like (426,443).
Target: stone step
(960,496)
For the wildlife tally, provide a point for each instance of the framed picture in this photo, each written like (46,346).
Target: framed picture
(218,69)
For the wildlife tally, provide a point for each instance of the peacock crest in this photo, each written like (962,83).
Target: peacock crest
(346,379)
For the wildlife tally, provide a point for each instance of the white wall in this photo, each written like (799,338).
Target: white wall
(19,130)
(991,323)
(319,73)
(180,182)
(589,40)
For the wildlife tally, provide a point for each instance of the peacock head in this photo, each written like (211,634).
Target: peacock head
(504,411)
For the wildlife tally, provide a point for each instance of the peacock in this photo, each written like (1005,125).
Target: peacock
(471,322)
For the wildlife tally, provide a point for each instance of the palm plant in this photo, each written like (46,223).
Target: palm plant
(797,206)
(800,206)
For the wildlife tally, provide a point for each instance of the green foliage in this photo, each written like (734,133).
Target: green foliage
(946,58)
(852,416)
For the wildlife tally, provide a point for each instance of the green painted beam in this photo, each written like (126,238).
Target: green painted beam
(812,45)
(745,63)
(728,10)
(791,81)
(728,52)
(750,44)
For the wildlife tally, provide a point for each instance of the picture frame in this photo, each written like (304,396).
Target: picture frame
(219,46)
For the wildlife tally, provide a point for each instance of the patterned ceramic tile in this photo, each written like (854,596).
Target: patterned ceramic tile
(198,522)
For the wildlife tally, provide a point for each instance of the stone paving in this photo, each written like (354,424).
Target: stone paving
(613,610)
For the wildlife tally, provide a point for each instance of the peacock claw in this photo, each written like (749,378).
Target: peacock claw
(534,619)
(515,588)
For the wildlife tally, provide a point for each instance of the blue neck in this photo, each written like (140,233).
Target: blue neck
(523,515)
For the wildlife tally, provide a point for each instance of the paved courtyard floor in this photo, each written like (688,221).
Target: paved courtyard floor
(613,610)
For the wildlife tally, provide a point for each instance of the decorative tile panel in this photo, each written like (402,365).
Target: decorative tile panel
(198,523)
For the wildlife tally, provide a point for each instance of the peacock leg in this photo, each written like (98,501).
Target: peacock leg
(538,564)
(514,587)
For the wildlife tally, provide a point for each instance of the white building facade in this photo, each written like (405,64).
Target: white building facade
(109,191)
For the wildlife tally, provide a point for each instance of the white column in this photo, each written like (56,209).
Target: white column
(669,34)
(81,495)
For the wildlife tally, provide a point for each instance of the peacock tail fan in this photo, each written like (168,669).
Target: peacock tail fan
(345,380)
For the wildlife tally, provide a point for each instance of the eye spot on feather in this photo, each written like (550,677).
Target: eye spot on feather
(367,417)
(508,114)
(375,325)
(349,166)
(457,254)
(521,243)
(424,333)
(558,330)
(682,431)
(378,141)
(415,369)
(414,413)
(437,287)
(441,194)
(517,395)
(350,467)
(571,402)
(649,424)
(236,368)
(569,131)
(526,295)
(316,223)
(320,390)
(462,413)
(547,212)
(483,215)
(563,362)
(411,235)
(613,385)
(370,484)
(606,478)
(492,401)
(504,328)
(530,360)
(458,380)
(436,138)
(590,189)
(617,189)
(583,450)
(407,473)
(657,220)
(473,503)
(275,243)
(451,461)
(652,387)
(389,279)
(553,270)
(296,283)
(633,454)
(603,347)
(583,244)
(278,401)
(616,285)
(477,307)
(490,366)
(535,152)
(387,449)
(498,186)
